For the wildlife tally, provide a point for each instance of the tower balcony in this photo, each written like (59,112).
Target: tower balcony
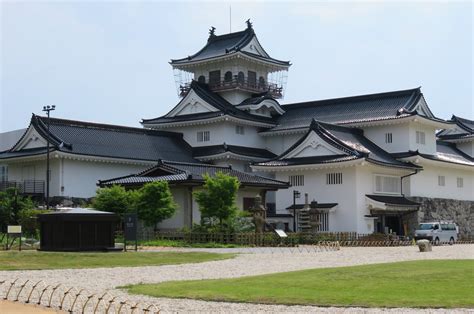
(251,86)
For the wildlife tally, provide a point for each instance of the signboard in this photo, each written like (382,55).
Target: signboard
(130,227)
(14,229)
(281,233)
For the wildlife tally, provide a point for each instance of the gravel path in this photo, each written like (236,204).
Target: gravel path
(101,279)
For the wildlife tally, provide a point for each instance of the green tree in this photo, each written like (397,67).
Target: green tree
(28,219)
(155,203)
(112,199)
(11,203)
(217,199)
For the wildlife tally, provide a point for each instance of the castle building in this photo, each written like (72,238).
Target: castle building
(374,163)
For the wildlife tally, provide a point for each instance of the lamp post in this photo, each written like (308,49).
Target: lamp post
(47,109)
(296,194)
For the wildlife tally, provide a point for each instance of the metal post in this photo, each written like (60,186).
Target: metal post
(296,194)
(47,109)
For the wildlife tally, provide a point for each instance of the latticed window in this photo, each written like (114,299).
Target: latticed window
(388,137)
(3,173)
(387,184)
(460,182)
(297,180)
(203,136)
(420,137)
(334,178)
(441,180)
(239,129)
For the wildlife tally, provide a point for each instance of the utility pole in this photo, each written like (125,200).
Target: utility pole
(48,109)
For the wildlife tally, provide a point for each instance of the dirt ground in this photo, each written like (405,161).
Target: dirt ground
(21,308)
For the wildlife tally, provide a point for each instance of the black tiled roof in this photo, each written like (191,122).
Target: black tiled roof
(320,205)
(238,150)
(23,153)
(372,107)
(350,141)
(93,139)
(392,200)
(227,44)
(192,173)
(445,152)
(464,129)
(214,99)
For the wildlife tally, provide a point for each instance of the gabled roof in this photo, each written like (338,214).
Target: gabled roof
(191,173)
(355,109)
(221,104)
(350,143)
(104,140)
(445,152)
(464,130)
(214,150)
(228,44)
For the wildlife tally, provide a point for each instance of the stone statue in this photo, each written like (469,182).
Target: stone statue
(259,215)
(314,216)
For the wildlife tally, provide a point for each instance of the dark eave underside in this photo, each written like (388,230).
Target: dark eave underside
(392,200)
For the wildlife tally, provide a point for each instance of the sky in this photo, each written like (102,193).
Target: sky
(107,61)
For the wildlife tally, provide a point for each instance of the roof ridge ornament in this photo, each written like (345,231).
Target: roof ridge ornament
(212,33)
(249,24)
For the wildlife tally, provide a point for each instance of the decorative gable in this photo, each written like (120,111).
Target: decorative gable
(31,139)
(313,146)
(191,104)
(254,47)
(422,108)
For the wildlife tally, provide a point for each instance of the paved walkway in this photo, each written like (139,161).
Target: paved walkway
(8,307)
(102,279)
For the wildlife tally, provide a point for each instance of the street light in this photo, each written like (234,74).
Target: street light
(47,109)
(296,194)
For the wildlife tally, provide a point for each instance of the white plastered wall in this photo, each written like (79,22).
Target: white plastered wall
(425,183)
(79,178)
(344,218)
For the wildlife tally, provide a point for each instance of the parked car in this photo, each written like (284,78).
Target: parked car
(438,232)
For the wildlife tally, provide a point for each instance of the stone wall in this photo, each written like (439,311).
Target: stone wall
(461,212)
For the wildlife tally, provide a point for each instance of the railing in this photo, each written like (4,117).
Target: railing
(247,85)
(30,187)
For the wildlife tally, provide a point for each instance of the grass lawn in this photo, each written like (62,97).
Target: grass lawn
(430,283)
(11,260)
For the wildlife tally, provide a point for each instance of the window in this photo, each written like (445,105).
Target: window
(252,79)
(202,79)
(3,173)
(203,136)
(460,182)
(228,77)
(241,77)
(239,129)
(297,180)
(214,78)
(387,184)
(334,178)
(388,137)
(441,180)
(261,82)
(420,137)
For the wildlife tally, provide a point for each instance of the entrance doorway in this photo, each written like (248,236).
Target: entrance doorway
(393,223)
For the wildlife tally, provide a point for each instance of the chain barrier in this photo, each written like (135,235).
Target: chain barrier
(71,300)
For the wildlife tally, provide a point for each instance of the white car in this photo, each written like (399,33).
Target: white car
(438,232)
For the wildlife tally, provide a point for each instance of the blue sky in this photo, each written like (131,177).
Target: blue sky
(107,61)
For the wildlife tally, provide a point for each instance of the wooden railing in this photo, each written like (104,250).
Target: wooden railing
(30,187)
(247,85)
